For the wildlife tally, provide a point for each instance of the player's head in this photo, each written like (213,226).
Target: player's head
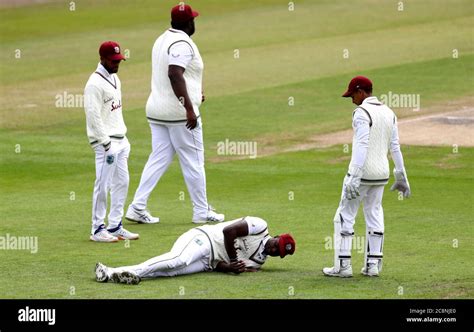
(280,245)
(360,87)
(110,56)
(182,18)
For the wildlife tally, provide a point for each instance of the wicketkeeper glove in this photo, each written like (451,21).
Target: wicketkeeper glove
(401,183)
(351,187)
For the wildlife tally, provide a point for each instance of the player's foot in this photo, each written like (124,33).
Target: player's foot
(101,274)
(371,271)
(140,216)
(211,217)
(343,272)
(123,234)
(125,277)
(103,236)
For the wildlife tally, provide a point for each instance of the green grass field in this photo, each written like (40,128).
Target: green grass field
(46,161)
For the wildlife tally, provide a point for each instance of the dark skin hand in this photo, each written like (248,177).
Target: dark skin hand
(236,267)
(178,83)
(232,232)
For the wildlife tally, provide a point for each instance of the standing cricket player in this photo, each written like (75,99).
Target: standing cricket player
(106,131)
(237,246)
(173,113)
(375,132)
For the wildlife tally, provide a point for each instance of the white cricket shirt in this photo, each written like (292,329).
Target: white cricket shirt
(250,248)
(174,47)
(375,133)
(103,107)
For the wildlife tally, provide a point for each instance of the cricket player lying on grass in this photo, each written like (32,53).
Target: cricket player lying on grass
(240,245)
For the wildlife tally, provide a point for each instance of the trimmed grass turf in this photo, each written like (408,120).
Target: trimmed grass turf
(419,251)
(282,54)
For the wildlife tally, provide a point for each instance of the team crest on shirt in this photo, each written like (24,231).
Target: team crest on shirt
(110,159)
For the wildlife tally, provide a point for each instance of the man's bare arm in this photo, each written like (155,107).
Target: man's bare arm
(232,232)
(178,83)
(235,267)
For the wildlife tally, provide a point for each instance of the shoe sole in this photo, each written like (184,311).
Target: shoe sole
(132,238)
(337,275)
(197,222)
(103,276)
(141,222)
(112,241)
(369,275)
(125,278)
(205,221)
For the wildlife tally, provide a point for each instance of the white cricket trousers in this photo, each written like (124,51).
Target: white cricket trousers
(371,198)
(344,220)
(111,175)
(190,254)
(168,140)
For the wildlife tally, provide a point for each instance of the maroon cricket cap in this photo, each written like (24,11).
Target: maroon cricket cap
(111,50)
(358,82)
(286,245)
(182,13)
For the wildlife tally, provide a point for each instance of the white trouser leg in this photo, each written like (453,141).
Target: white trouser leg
(119,186)
(191,248)
(103,171)
(157,164)
(373,211)
(190,149)
(201,265)
(374,219)
(344,221)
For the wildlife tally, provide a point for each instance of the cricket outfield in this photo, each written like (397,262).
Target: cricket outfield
(273,78)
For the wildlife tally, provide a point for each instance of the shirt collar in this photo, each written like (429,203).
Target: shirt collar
(265,240)
(178,31)
(372,100)
(101,69)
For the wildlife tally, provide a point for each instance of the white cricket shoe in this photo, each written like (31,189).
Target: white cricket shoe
(103,236)
(371,271)
(123,234)
(140,216)
(211,217)
(101,273)
(125,277)
(344,272)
